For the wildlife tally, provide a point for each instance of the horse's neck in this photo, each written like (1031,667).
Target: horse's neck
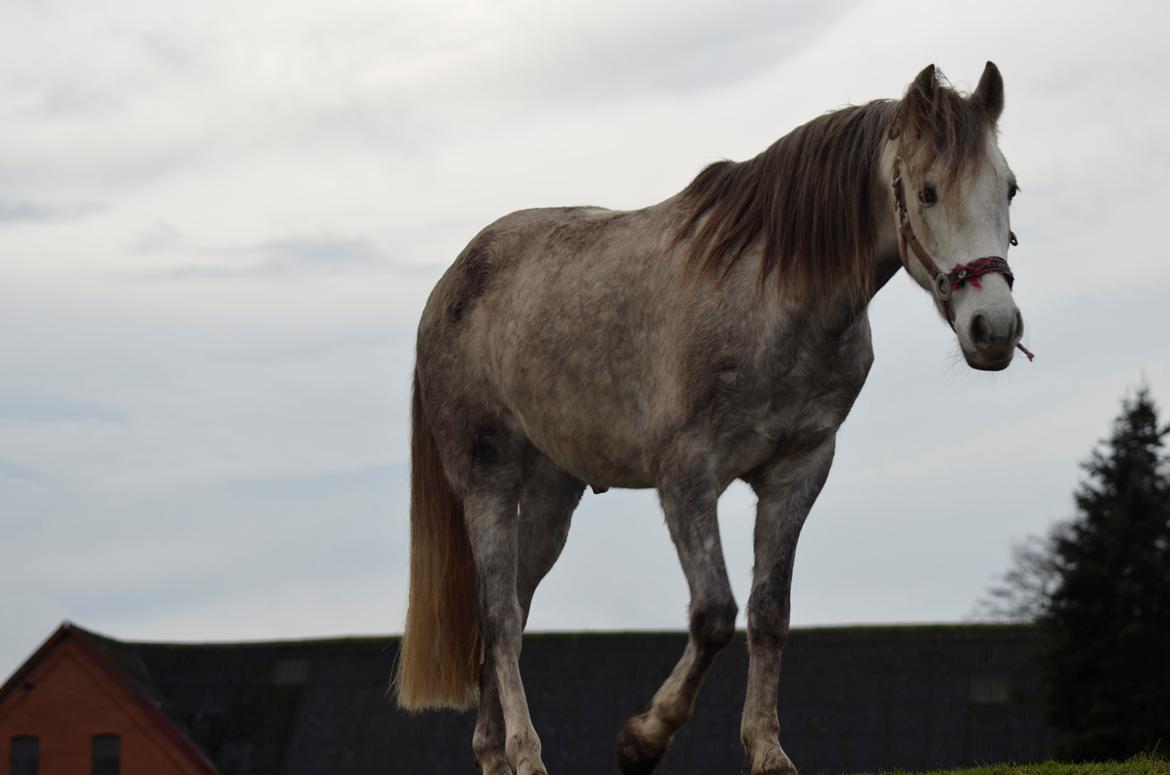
(840,311)
(812,320)
(887,260)
(886,265)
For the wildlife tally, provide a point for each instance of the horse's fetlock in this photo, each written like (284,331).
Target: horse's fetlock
(765,754)
(486,744)
(493,764)
(758,735)
(523,745)
(638,753)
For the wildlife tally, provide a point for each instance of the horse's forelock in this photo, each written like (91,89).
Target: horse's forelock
(939,128)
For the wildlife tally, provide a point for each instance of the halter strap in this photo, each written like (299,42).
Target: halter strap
(972,271)
(944,284)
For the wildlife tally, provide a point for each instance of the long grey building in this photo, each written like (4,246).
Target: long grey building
(853,699)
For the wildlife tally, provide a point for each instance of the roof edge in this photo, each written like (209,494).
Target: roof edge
(324,640)
(26,667)
(87,641)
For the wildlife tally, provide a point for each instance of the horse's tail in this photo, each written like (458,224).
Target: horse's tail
(439,659)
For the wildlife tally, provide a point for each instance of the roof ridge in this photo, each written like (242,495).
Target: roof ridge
(389,639)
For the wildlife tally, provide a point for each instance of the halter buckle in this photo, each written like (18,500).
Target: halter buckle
(942,287)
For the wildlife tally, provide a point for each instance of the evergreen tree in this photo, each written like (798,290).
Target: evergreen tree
(1109,610)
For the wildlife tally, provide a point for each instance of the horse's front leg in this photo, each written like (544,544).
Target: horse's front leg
(689,494)
(786,493)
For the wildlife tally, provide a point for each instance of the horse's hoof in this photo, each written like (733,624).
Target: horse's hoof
(785,767)
(497,767)
(635,755)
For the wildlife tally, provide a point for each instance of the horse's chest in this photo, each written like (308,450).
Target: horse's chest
(790,407)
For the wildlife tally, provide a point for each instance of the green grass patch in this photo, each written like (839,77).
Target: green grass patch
(1138,765)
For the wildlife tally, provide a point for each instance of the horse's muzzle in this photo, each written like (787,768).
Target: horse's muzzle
(992,339)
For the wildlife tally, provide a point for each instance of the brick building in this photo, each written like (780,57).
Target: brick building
(853,699)
(72,709)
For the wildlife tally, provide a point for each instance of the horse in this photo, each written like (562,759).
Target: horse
(721,334)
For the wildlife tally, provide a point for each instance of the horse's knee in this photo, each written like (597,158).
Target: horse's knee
(767,623)
(713,623)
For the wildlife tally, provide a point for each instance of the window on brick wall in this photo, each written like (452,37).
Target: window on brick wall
(107,755)
(26,755)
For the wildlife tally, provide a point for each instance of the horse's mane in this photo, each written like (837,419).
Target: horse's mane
(809,198)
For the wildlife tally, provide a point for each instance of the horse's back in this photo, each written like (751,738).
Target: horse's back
(559,324)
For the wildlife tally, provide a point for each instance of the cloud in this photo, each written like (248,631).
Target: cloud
(310,553)
(73,102)
(19,473)
(276,258)
(587,57)
(47,407)
(352,149)
(25,211)
(163,237)
(315,254)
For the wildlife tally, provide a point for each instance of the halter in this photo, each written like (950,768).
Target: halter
(944,284)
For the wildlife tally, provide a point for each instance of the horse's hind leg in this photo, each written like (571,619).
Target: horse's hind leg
(547,501)
(493,529)
(689,493)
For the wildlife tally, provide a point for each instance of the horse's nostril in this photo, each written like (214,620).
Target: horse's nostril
(980,331)
(1018,333)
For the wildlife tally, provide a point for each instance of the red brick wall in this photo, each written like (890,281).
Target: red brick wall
(65,700)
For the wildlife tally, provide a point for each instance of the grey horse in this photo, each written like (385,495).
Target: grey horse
(719,335)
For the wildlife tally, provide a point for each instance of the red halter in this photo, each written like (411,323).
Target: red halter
(971,272)
(945,283)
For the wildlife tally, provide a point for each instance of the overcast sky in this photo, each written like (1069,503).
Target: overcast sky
(219,223)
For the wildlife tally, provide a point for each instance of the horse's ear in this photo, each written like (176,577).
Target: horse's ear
(924,86)
(989,93)
(917,108)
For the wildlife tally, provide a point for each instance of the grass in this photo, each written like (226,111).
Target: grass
(1138,765)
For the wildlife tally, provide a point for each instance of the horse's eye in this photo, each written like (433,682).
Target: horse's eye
(928,195)
(1013,189)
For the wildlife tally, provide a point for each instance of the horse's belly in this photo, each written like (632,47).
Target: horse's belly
(600,453)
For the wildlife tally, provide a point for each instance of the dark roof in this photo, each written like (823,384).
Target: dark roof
(859,698)
(121,669)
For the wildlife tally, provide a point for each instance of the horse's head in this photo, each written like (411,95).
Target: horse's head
(951,191)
